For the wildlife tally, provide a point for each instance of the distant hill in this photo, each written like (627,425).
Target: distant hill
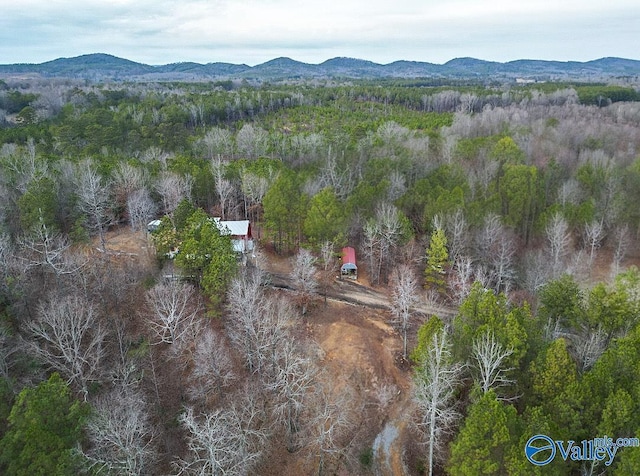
(282,68)
(92,66)
(101,66)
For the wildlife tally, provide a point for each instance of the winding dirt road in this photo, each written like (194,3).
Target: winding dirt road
(346,290)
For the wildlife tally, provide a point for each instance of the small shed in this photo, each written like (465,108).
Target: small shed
(349,269)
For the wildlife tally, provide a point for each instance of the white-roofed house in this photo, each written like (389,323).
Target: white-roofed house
(240,232)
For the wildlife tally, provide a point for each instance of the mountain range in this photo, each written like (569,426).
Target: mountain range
(99,66)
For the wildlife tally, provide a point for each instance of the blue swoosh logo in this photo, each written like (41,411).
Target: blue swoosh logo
(544,443)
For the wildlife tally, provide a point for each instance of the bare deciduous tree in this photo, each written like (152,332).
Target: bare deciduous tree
(121,434)
(329,266)
(397,186)
(382,236)
(196,110)
(558,241)
(126,180)
(219,443)
(489,356)
(501,258)
(303,276)
(141,209)
(246,303)
(125,370)
(589,346)
(497,249)
(173,308)
(404,295)
(461,278)
(458,231)
(172,189)
(593,236)
(257,324)
(622,240)
(488,234)
(259,328)
(569,192)
(9,346)
(484,276)
(224,187)
(307,147)
(49,251)
(212,366)
(335,176)
(329,423)
(372,249)
(24,165)
(155,155)
(537,271)
(436,382)
(68,336)
(252,141)
(292,381)
(218,142)
(254,187)
(94,199)
(444,101)
(468,103)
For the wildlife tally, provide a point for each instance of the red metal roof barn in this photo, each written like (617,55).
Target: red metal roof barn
(349,269)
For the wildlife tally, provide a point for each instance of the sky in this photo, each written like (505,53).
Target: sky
(254,31)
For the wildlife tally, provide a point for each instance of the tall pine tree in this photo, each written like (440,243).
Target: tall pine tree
(437,261)
(45,426)
(484,440)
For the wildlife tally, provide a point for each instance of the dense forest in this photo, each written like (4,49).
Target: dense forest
(512,207)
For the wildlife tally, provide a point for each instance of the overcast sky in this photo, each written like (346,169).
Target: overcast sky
(255,31)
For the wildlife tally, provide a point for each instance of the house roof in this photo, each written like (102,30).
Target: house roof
(233,227)
(348,257)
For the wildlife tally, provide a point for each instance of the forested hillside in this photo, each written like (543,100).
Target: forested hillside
(513,208)
(105,67)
